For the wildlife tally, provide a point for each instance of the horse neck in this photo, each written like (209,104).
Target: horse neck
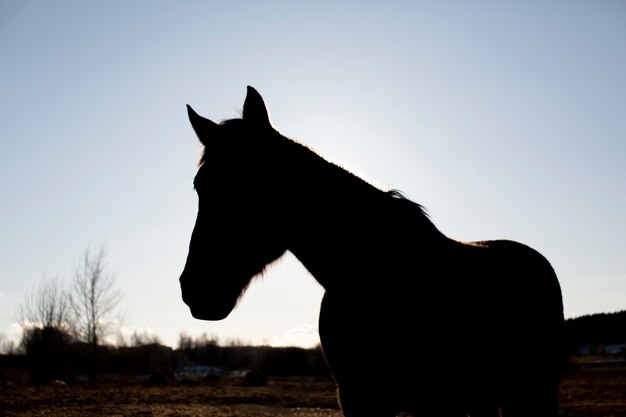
(328,211)
(340,227)
(327,192)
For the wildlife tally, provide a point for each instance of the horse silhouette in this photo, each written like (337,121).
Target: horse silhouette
(411,320)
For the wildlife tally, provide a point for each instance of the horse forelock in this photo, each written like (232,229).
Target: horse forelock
(229,123)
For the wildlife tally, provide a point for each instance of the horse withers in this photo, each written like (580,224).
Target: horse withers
(411,320)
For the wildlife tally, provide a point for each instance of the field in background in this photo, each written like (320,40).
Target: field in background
(592,389)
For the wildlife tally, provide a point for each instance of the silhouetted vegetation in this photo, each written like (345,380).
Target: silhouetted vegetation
(50,353)
(594,332)
(279,361)
(93,302)
(63,327)
(49,305)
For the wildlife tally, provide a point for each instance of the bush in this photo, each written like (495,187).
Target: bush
(49,351)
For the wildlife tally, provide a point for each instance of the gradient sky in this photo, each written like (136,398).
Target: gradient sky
(504,119)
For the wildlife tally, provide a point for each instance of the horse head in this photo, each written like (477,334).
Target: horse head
(237,232)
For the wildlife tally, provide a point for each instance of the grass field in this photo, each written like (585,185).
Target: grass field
(591,390)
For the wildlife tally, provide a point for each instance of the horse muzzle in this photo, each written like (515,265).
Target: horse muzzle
(203,303)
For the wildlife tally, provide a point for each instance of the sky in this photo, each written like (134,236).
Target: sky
(506,120)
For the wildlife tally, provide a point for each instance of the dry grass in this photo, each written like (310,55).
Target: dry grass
(294,396)
(591,390)
(594,389)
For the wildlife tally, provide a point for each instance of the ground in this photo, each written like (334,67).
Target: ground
(592,389)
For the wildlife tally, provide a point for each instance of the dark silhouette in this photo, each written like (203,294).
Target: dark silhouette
(411,320)
(49,351)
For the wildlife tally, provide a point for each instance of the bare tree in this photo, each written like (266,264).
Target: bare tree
(94,299)
(144,338)
(46,321)
(54,316)
(47,306)
(94,302)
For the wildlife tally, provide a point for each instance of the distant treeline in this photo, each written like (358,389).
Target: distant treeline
(50,353)
(594,332)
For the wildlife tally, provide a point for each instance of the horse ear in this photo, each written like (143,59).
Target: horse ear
(205,128)
(254,109)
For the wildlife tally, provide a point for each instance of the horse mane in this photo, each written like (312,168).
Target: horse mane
(399,195)
(406,209)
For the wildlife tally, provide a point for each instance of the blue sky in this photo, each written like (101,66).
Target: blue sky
(504,119)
